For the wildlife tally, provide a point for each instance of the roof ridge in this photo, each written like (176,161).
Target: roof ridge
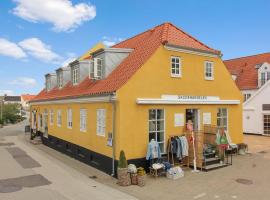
(247,56)
(165,32)
(150,29)
(180,29)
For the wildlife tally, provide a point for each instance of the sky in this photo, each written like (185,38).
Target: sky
(37,36)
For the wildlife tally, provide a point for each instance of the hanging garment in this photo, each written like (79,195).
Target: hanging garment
(174,145)
(179,148)
(184,144)
(153,150)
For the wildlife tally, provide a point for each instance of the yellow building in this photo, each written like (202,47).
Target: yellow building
(143,88)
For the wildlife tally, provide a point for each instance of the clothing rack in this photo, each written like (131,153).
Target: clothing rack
(170,151)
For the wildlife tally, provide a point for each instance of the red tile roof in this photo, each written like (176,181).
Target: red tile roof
(143,45)
(245,69)
(27,97)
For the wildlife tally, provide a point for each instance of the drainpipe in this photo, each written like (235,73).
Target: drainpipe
(113,101)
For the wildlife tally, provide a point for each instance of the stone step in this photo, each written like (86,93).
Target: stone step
(214,166)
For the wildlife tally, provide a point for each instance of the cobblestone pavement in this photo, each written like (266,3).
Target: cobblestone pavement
(28,173)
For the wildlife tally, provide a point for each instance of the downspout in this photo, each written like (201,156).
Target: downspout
(113,101)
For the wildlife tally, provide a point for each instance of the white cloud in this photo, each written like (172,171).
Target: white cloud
(61,13)
(39,50)
(11,49)
(110,41)
(24,82)
(7,92)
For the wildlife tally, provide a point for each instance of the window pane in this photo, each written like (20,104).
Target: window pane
(152,114)
(152,126)
(152,136)
(161,146)
(160,114)
(160,125)
(160,136)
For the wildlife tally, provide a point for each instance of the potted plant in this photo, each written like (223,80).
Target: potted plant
(122,170)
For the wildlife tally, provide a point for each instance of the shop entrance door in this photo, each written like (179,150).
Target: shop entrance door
(194,116)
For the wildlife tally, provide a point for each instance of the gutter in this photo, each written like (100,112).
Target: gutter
(113,101)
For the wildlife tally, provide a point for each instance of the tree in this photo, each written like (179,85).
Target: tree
(11,113)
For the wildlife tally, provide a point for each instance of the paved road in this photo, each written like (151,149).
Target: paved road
(28,173)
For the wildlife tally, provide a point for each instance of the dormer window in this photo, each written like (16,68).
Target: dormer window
(75,75)
(48,84)
(96,70)
(265,76)
(60,79)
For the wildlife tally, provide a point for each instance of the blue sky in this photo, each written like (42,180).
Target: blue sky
(38,37)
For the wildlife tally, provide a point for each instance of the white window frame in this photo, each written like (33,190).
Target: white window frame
(59,118)
(51,117)
(83,120)
(158,131)
(176,65)
(101,122)
(221,117)
(69,118)
(247,96)
(209,70)
(98,70)
(75,75)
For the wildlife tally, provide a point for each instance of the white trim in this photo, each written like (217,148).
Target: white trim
(179,49)
(76,100)
(180,101)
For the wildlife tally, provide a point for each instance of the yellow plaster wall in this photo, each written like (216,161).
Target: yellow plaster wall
(88,139)
(154,79)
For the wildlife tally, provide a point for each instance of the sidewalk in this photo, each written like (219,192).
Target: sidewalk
(59,181)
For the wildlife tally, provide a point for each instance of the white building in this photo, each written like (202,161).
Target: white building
(252,75)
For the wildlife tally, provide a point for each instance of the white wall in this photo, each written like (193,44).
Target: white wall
(252,110)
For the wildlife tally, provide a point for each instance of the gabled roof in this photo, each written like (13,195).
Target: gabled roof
(12,98)
(27,97)
(246,69)
(144,45)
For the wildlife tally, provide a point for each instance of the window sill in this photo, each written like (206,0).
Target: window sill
(209,79)
(176,76)
(83,131)
(100,135)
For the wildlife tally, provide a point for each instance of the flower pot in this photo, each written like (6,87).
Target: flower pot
(141,180)
(123,177)
(134,179)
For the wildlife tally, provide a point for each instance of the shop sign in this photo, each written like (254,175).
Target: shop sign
(190,97)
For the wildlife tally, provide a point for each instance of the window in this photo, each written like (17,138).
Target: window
(75,75)
(96,71)
(266,124)
(266,107)
(263,79)
(48,83)
(222,118)
(156,127)
(209,70)
(59,118)
(83,116)
(176,67)
(60,79)
(101,122)
(51,117)
(246,96)
(69,118)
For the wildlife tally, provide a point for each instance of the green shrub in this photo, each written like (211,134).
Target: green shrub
(11,113)
(122,160)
